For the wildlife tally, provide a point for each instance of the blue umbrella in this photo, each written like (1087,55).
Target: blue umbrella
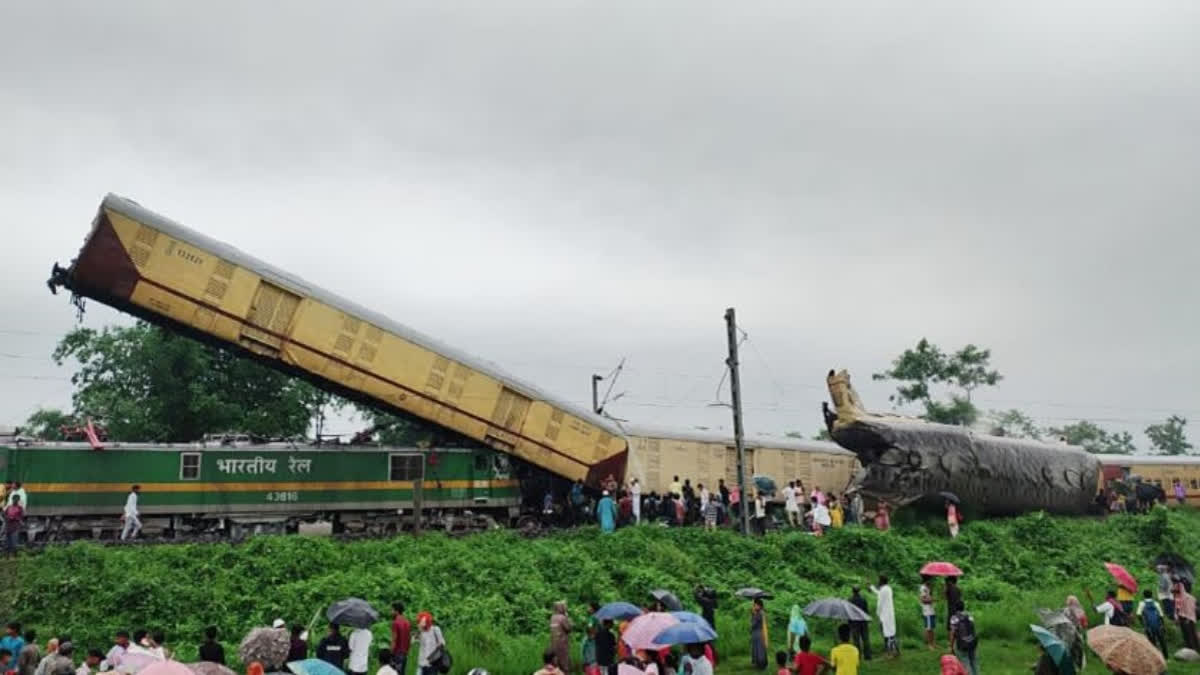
(686,634)
(314,667)
(617,611)
(1056,648)
(690,617)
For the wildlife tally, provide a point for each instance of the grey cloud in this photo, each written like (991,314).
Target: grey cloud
(555,185)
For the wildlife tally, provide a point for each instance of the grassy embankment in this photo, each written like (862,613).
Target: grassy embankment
(492,592)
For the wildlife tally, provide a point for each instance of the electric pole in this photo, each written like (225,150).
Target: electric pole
(596,393)
(735,388)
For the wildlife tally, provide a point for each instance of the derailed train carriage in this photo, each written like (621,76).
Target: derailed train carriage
(905,460)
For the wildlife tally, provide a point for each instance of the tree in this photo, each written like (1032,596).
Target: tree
(148,384)
(47,424)
(1014,424)
(1092,438)
(394,430)
(919,369)
(1169,438)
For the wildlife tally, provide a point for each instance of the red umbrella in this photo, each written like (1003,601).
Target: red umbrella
(1124,578)
(941,569)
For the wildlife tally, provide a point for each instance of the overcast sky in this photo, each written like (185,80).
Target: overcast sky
(557,185)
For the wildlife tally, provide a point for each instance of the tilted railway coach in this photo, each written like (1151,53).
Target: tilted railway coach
(78,491)
(154,268)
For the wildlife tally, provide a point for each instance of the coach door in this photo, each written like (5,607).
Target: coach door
(268,320)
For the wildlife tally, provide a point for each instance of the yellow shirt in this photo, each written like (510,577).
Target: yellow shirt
(844,658)
(837,515)
(1124,594)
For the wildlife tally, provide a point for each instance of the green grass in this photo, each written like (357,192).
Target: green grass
(492,593)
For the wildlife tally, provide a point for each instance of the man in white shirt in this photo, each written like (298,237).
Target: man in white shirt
(132,524)
(791,505)
(635,493)
(20,492)
(360,651)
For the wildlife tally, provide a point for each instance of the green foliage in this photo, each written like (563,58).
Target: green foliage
(1092,438)
(926,365)
(1169,437)
(148,384)
(47,424)
(492,592)
(391,429)
(1013,423)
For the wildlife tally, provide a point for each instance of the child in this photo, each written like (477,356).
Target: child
(928,614)
(1152,621)
(844,657)
(808,663)
(589,646)
(548,664)
(781,660)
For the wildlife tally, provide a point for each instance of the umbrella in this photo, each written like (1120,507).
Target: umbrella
(690,617)
(754,594)
(949,496)
(836,608)
(314,667)
(640,632)
(133,662)
(686,634)
(941,569)
(209,668)
(1127,650)
(1124,578)
(167,668)
(1178,566)
(352,612)
(268,646)
(668,600)
(617,611)
(1058,623)
(1055,647)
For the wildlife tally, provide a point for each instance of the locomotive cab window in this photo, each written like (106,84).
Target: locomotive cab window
(483,463)
(406,467)
(189,466)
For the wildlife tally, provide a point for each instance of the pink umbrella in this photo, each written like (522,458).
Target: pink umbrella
(941,569)
(135,662)
(1123,577)
(166,668)
(641,631)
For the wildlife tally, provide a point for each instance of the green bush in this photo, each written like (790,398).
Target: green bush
(492,592)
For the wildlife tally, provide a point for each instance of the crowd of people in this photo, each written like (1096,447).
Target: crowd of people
(684,504)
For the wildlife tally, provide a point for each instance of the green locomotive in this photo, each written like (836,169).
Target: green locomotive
(76,490)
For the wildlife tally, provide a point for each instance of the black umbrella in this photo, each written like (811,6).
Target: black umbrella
(1177,566)
(667,599)
(949,496)
(753,594)
(352,612)
(836,608)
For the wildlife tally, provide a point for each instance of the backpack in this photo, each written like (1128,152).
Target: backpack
(1118,617)
(1150,616)
(964,630)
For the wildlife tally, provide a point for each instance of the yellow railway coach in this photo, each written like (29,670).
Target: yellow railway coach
(656,456)
(1161,470)
(142,263)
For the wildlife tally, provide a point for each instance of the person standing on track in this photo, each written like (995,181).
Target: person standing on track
(14,516)
(132,524)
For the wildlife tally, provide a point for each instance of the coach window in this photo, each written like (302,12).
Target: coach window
(1195,484)
(189,466)
(406,467)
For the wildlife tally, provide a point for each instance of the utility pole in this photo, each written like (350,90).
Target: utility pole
(735,388)
(596,393)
